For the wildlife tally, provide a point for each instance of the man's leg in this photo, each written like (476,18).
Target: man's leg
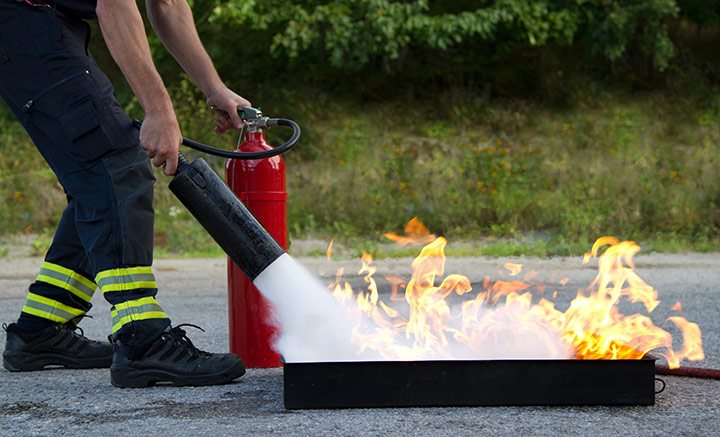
(68,108)
(62,290)
(60,296)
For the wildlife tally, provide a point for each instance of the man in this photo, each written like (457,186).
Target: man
(50,81)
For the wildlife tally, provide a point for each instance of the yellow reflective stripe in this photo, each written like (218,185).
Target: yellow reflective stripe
(65,286)
(74,275)
(122,272)
(132,278)
(128,286)
(136,303)
(140,309)
(135,317)
(67,279)
(44,314)
(50,309)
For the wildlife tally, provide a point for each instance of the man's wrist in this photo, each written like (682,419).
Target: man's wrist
(162,107)
(215,89)
(168,112)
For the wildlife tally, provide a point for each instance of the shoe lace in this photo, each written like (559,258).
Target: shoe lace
(72,325)
(182,339)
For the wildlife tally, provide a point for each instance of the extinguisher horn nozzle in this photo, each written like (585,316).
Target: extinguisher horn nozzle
(226,218)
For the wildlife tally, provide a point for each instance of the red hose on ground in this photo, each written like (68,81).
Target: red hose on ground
(692,372)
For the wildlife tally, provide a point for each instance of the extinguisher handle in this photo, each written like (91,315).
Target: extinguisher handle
(245,155)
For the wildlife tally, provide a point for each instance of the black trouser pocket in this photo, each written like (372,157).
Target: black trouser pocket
(66,105)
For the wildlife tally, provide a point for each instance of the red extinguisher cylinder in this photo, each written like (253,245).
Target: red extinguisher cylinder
(260,185)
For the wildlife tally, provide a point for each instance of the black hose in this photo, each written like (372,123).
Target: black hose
(245,155)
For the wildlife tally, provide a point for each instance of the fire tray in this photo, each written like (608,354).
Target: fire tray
(368,384)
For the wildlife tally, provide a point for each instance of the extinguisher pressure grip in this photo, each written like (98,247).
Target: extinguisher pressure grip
(226,218)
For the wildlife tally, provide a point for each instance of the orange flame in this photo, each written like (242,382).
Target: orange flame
(416,234)
(492,322)
(514,269)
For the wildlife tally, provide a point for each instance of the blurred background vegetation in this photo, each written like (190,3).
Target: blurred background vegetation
(527,127)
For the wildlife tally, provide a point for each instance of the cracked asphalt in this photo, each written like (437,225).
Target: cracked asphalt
(82,402)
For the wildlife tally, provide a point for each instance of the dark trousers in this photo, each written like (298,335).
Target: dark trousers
(52,84)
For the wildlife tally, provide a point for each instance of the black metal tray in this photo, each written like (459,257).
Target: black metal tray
(371,384)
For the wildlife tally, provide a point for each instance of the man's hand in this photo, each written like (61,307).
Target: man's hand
(228,103)
(161,138)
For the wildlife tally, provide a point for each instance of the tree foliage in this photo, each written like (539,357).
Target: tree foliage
(355,33)
(269,48)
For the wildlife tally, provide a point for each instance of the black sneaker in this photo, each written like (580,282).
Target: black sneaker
(56,345)
(173,358)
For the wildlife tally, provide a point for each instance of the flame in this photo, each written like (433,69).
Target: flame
(513,268)
(505,319)
(416,234)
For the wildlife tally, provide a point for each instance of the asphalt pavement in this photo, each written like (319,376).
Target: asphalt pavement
(82,402)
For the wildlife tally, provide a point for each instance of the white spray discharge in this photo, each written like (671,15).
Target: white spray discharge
(313,324)
(316,327)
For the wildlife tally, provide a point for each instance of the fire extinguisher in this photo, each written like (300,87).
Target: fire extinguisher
(260,185)
(252,231)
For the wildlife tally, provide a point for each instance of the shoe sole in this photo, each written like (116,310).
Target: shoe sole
(128,377)
(23,362)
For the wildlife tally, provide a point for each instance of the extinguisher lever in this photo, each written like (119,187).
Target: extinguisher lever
(247,113)
(251,117)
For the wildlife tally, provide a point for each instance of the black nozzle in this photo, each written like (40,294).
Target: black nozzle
(225,217)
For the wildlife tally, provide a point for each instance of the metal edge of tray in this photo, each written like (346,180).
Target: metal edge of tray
(458,383)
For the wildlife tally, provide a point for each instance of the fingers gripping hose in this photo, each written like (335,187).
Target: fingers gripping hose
(245,155)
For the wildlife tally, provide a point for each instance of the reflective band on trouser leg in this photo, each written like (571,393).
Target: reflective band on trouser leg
(50,309)
(136,288)
(129,279)
(134,310)
(67,298)
(67,279)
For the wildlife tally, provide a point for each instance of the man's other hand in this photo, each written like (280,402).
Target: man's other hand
(228,103)
(160,137)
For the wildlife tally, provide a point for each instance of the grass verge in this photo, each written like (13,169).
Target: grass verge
(514,178)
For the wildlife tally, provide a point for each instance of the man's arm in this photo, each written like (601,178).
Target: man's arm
(124,34)
(173,22)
